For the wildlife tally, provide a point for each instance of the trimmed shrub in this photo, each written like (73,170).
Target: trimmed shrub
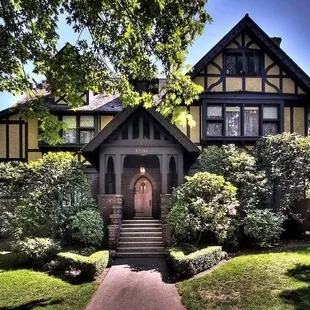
(185,266)
(262,227)
(36,251)
(87,266)
(87,227)
(205,203)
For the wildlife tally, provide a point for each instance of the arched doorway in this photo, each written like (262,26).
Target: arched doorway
(143,198)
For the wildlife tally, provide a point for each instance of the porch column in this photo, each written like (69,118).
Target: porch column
(118,173)
(102,167)
(164,173)
(180,167)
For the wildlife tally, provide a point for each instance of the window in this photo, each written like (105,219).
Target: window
(243,63)
(242,120)
(69,134)
(270,120)
(80,129)
(156,133)
(136,128)
(125,133)
(146,128)
(234,64)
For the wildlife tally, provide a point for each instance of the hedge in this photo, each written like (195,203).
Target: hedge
(87,266)
(185,266)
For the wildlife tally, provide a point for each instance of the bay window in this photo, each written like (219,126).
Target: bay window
(241,120)
(80,129)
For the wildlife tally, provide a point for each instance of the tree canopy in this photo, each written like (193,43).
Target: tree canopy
(129,40)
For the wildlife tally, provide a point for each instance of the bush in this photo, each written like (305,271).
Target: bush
(37,251)
(238,167)
(87,266)
(87,227)
(286,160)
(185,266)
(262,227)
(205,202)
(50,191)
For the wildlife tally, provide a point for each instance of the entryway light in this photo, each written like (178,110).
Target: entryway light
(142,169)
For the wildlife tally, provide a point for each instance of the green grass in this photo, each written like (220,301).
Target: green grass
(275,280)
(29,289)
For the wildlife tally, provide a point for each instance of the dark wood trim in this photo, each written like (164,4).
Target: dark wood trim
(250,96)
(20,139)
(12,159)
(26,142)
(34,150)
(237,43)
(188,129)
(7,138)
(292,119)
(205,78)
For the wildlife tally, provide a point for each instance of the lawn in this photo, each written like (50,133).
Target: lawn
(277,280)
(29,289)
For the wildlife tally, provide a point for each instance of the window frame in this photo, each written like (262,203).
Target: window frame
(245,53)
(242,103)
(79,128)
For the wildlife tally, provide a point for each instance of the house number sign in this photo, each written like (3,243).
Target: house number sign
(141,151)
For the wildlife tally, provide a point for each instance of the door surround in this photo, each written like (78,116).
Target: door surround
(143,197)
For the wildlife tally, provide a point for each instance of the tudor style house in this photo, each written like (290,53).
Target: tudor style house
(134,156)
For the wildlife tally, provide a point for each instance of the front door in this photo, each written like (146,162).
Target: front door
(143,197)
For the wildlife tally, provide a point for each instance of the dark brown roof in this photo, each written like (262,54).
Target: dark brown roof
(91,150)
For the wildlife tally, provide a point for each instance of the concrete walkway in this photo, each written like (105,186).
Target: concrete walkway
(137,284)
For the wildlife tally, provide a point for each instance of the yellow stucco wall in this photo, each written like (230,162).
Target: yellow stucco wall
(33,134)
(32,156)
(212,69)
(253,84)
(195,131)
(299,120)
(233,84)
(288,86)
(217,88)
(287,119)
(199,80)
(2,141)
(14,141)
(105,120)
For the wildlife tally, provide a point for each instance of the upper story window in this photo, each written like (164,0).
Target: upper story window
(80,129)
(242,120)
(243,63)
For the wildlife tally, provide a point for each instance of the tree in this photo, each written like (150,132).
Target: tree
(128,40)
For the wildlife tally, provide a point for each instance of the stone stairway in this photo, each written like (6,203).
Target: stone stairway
(140,237)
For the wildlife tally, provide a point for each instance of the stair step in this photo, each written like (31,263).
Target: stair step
(141,249)
(140,239)
(139,254)
(140,244)
(142,225)
(140,221)
(137,229)
(141,234)
(143,218)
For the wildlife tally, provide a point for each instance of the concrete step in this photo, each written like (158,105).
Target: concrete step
(141,234)
(143,218)
(140,221)
(140,249)
(142,229)
(140,239)
(134,244)
(139,254)
(142,225)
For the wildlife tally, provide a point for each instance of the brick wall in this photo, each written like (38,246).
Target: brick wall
(107,202)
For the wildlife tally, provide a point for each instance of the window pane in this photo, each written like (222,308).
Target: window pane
(70,121)
(239,67)
(251,121)
(253,65)
(270,129)
(87,121)
(231,64)
(156,133)
(270,112)
(86,136)
(125,133)
(135,128)
(214,111)
(214,129)
(69,135)
(146,128)
(232,117)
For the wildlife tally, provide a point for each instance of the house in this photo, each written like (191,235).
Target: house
(135,156)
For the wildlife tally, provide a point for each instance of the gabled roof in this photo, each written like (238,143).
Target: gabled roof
(91,150)
(265,42)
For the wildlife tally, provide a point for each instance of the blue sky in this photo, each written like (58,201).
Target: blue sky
(288,19)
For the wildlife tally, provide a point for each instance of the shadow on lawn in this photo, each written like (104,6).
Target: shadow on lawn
(35,303)
(299,298)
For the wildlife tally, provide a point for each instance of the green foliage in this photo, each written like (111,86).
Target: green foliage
(87,227)
(36,251)
(204,203)
(50,191)
(238,167)
(87,266)
(263,227)
(188,265)
(126,40)
(286,160)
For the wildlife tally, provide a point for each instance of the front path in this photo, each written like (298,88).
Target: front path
(137,284)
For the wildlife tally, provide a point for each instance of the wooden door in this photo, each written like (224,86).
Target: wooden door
(143,197)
